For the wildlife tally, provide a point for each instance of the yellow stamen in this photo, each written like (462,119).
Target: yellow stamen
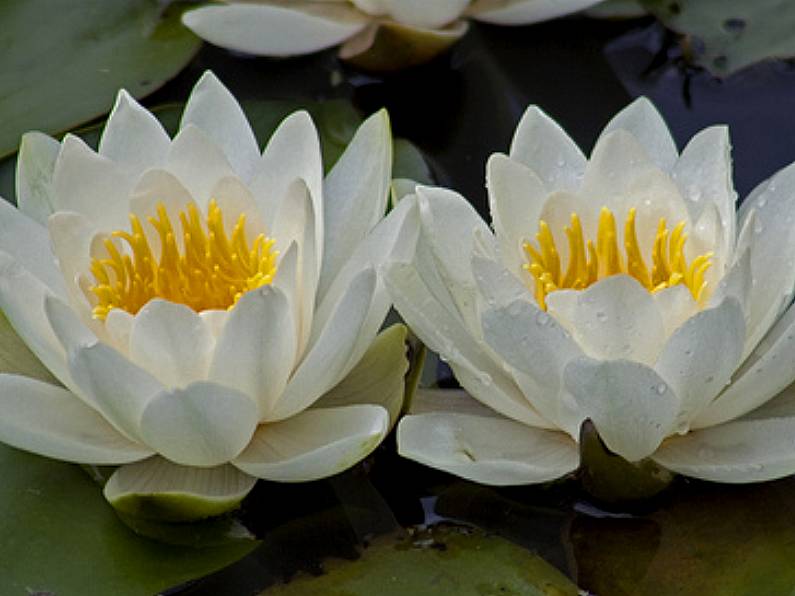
(208,269)
(588,263)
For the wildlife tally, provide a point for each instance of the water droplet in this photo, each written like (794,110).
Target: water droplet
(709,379)
(758,227)
(485,378)
(561,162)
(542,319)
(736,26)
(688,352)
(695,194)
(661,388)
(601,316)
(760,204)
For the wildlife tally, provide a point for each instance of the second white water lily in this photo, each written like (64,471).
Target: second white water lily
(622,289)
(208,312)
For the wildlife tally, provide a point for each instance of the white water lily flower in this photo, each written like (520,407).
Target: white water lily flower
(294,27)
(622,289)
(210,309)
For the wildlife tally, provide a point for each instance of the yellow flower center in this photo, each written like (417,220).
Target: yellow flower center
(208,269)
(588,263)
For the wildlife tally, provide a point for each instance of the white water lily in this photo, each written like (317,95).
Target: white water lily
(209,310)
(289,28)
(622,289)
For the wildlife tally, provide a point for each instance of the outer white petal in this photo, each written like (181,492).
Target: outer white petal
(133,137)
(676,305)
(614,318)
(325,361)
(213,109)
(445,333)
(71,236)
(35,165)
(632,407)
(699,358)
(525,12)
(516,196)
(275,30)
(355,194)
(171,342)
(314,444)
(256,350)
(51,421)
(488,450)
(421,13)
(642,120)
(91,184)
(197,162)
(204,424)
(543,146)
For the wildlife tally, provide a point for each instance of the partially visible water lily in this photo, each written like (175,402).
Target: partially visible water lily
(621,289)
(208,312)
(376,34)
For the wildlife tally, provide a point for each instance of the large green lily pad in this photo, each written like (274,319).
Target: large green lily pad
(443,560)
(62,63)
(725,36)
(59,536)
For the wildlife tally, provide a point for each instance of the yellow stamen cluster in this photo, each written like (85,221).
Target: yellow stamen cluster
(208,269)
(589,263)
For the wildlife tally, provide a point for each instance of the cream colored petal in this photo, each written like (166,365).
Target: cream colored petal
(35,166)
(676,305)
(421,13)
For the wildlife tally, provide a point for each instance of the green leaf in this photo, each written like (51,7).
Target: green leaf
(725,36)
(443,560)
(63,66)
(58,535)
(409,163)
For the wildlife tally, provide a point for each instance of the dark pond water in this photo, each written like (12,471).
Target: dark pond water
(696,538)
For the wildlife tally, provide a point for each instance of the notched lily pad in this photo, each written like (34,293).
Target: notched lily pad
(725,36)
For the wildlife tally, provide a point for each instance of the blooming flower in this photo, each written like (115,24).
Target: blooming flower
(616,289)
(209,310)
(424,28)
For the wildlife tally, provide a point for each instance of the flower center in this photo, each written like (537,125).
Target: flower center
(588,263)
(208,269)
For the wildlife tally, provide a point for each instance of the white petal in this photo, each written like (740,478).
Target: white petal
(155,187)
(525,12)
(189,493)
(133,137)
(445,333)
(699,358)
(736,283)
(355,194)
(256,350)
(118,324)
(204,424)
(704,175)
(326,359)
(543,146)
(516,196)
(497,285)
(71,236)
(51,421)
(197,162)
(273,30)
(737,452)
(171,342)
(642,120)
(235,199)
(487,450)
(421,13)
(450,401)
(676,305)
(213,109)
(632,407)
(35,166)
(91,184)
(614,318)
(314,444)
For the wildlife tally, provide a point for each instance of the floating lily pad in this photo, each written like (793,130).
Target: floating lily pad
(725,36)
(443,560)
(59,536)
(61,66)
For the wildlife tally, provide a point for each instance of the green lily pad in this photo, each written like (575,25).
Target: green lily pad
(725,36)
(61,67)
(438,561)
(59,536)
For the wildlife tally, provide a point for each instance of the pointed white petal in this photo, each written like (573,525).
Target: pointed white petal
(197,162)
(355,194)
(632,407)
(325,361)
(256,350)
(487,450)
(133,137)
(117,326)
(51,421)
(524,12)
(543,146)
(676,305)
(314,444)
(275,30)
(159,489)
(158,186)
(71,236)
(213,109)
(35,165)
(171,342)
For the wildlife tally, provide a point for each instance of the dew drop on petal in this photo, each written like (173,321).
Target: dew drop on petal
(542,319)
(601,316)
(661,388)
